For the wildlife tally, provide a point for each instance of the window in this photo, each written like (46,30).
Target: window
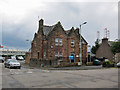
(72,43)
(56,54)
(56,41)
(60,42)
(44,54)
(60,54)
(38,54)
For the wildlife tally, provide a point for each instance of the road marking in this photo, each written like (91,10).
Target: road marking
(29,71)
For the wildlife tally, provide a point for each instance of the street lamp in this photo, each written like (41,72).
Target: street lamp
(81,42)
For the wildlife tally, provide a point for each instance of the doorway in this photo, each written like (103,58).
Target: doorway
(73,60)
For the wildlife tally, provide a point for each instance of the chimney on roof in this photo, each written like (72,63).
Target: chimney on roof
(77,30)
(59,22)
(72,28)
(105,40)
(41,22)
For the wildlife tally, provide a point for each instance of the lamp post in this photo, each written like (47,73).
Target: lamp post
(81,42)
(27,40)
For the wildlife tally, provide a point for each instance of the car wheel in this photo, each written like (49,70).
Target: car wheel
(118,66)
(9,67)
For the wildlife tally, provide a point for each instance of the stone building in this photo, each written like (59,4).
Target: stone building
(104,50)
(53,45)
(27,57)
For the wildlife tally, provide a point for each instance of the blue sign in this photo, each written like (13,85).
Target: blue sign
(71,57)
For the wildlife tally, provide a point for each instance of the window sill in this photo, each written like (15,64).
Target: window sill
(59,45)
(72,46)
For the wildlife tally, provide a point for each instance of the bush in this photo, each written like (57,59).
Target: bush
(89,63)
(108,64)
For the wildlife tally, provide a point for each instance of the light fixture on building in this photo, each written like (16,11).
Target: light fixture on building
(51,46)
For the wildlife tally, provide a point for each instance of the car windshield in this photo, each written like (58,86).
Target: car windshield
(7,60)
(13,61)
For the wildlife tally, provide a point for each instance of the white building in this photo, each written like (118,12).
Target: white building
(12,52)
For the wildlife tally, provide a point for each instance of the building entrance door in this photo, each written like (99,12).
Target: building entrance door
(73,60)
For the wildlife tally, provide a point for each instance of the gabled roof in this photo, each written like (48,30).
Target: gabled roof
(67,32)
(76,31)
(47,29)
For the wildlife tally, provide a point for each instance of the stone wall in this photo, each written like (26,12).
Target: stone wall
(27,57)
(52,63)
(48,63)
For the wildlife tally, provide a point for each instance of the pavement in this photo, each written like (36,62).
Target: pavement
(77,68)
(40,78)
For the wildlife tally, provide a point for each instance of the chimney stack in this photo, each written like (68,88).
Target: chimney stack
(105,40)
(40,29)
(41,21)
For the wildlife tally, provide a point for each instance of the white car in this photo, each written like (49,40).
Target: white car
(13,64)
(118,64)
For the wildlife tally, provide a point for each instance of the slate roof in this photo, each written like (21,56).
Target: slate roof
(67,32)
(47,29)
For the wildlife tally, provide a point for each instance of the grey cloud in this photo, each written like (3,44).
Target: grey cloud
(98,16)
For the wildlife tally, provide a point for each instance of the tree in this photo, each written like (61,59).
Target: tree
(94,48)
(115,47)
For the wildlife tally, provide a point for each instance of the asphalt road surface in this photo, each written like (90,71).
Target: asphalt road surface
(38,78)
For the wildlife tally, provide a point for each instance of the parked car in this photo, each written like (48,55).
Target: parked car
(118,64)
(96,62)
(20,58)
(13,63)
(13,57)
(2,59)
(6,62)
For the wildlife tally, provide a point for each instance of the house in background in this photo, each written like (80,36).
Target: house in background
(52,45)
(104,50)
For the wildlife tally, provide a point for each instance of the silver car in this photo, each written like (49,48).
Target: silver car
(13,64)
(118,64)
(6,62)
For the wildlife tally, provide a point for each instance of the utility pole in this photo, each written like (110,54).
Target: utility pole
(81,42)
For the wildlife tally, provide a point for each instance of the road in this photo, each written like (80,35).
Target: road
(38,78)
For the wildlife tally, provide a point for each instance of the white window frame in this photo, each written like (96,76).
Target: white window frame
(56,54)
(72,42)
(60,55)
(60,41)
(56,41)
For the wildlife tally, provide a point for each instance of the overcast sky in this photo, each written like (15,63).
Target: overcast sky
(19,19)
